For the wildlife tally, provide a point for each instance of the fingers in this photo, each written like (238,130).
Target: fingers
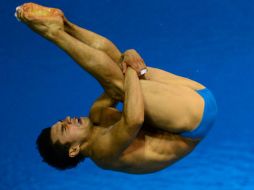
(137,64)
(133,59)
(142,72)
(139,67)
(124,67)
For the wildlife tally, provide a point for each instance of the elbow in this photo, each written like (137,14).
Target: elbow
(140,120)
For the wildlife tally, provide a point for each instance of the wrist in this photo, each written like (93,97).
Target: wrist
(144,76)
(143,72)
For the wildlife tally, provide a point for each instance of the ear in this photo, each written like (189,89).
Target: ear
(74,150)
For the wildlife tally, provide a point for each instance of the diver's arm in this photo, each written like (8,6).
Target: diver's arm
(100,105)
(125,130)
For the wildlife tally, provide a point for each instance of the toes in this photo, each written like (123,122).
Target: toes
(21,14)
(17,13)
(17,8)
(58,12)
(17,17)
(29,12)
(27,6)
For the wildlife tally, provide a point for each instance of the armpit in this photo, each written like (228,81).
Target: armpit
(109,116)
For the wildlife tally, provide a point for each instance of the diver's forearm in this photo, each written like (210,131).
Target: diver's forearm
(126,129)
(104,101)
(133,110)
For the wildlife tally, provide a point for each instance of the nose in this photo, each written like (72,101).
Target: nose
(68,118)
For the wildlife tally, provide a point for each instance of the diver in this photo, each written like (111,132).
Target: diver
(163,119)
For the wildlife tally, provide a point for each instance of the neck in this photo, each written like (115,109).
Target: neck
(86,148)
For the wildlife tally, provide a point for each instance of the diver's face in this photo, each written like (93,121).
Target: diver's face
(71,130)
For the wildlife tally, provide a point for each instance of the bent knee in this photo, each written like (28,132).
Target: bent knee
(101,44)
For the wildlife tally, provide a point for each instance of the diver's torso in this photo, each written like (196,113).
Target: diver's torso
(152,150)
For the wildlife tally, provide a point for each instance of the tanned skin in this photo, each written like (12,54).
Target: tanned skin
(144,138)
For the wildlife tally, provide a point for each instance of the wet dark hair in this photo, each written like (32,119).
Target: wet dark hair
(56,154)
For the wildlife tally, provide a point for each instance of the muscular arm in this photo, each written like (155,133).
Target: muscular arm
(125,130)
(103,104)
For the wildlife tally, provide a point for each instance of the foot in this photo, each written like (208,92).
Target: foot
(45,21)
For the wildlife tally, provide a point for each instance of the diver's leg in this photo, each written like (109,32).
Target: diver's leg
(48,22)
(96,62)
(165,105)
(168,78)
(171,107)
(93,40)
(101,43)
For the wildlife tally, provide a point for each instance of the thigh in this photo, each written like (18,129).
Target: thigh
(107,72)
(171,107)
(165,77)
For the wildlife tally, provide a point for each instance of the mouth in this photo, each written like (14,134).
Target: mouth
(79,121)
(75,122)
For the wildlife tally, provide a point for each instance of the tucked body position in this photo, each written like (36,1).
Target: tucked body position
(163,119)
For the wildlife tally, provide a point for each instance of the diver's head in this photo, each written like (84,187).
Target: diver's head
(63,145)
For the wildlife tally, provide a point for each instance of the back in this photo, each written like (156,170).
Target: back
(151,151)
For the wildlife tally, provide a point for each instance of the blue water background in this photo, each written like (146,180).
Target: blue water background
(209,41)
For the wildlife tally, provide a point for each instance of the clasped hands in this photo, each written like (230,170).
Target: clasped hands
(132,59)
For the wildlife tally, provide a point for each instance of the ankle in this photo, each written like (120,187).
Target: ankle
(68,26)
(53,34)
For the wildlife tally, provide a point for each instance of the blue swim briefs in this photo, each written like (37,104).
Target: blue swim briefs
(209,116)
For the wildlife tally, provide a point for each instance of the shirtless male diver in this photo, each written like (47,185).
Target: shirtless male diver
(164,115)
